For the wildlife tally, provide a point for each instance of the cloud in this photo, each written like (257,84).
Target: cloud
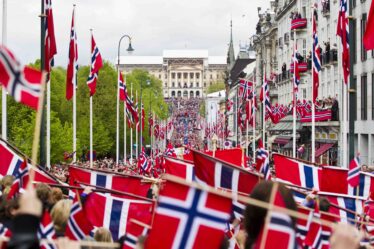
(154,25)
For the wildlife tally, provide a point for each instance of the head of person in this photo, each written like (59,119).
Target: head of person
(254,217)
(103,235)
(60,214)
(56,195)
(44,193)
(6,184)
(324,204)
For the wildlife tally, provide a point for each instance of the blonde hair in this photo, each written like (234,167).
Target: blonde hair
(60,214)
(103,235)
(6,183)
(56,195)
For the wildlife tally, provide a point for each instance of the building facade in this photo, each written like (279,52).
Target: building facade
(184,73)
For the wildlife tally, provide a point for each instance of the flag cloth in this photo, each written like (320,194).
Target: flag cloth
(133,232)
(354,172)
(343,32)
(21,82)
(316,54)
(179,168)
(121,87)
(280,230)
(115,213)
(262,161)
(71,78)
(46,231)
(124,183)
(21,180)
(144,165)
(96,64)
(187,217)
(50,48)
(170,151)
(78,226)
(296,77)
(313,239)
(369,32)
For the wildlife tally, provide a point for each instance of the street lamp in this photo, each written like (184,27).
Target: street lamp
(129,50)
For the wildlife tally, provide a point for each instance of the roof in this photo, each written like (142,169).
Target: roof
(141,60)
(217,60)
(217,94)
(186,53)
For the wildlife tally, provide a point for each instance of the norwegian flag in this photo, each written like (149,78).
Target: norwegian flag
(114,213)
(78,226)
(96,64)
(316,55)
(170,151)
(262,161)
(21,82)
(296,77)
(4,231)
(46,231)
(109,180)
(245,89)
(21,180)
(179,168)
(187,217)
(313,238)
(132,235)
(50,49)
(121,87)
(144,165)
(223,175)
(265,96)
(280,230)
(303,225)
(354,172)
(343,32)
(71,78)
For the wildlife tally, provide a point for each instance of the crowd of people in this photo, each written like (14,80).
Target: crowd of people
(186,122)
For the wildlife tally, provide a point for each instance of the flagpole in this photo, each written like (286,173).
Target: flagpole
(264,106)
(294,101)
(131,144)
(254,121)
(3,91)
(313,88)
(48,163)
(247,139)
(124,128)
(136,127)
(91,123)
(74,100)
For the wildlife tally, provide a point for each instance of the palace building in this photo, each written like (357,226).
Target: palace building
(184,73)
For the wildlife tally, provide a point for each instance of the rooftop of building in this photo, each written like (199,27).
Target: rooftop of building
(173,54)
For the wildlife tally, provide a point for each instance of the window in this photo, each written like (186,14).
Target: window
(354,51)
(197,84)
(197,75)
(185,75)
(179,75)
(355,102)
(173,84)
(364,88)
(211,76)
(204,84)
(372,96)
(166,84)
(173,75)
(363,28)
(191,75)
(159,76)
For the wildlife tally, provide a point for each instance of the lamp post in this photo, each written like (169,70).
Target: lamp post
(129,49)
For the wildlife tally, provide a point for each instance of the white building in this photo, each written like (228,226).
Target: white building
(184,73)
(212,106)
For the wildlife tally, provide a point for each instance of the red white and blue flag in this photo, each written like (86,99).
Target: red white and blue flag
(78,226)
(316,54)
(46,231)
(170,151)
(21,82)
(180,168)
(343,32)
(129,184)
(313,239)
(71,78)
(50,49)
(115,213)
(280,232)
(143,164)
(296,77)
(133,232)
(188,218)
(21,180)
(96,64)
(262,161)
(122,87)
(354,172)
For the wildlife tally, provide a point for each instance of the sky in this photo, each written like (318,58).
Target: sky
(154,25)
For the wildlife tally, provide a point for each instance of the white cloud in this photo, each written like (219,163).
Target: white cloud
(154,25)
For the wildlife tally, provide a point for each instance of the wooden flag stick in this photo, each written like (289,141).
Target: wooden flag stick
(140,223)
(38,121)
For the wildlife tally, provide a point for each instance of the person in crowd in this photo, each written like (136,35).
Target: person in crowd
(103,235)
(60,214)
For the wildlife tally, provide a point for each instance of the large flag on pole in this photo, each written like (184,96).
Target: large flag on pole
(122,86)
(96,64)
(343,32)
(369,32)
(50,41)
(73,57)
(22,83)
(316,60)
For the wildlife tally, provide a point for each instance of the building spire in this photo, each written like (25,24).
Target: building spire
(231,53)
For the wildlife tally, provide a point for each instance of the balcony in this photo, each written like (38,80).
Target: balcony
(330,57)
(285,75)
(298,24)
(303,67)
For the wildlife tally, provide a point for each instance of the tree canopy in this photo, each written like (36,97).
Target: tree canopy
(21,119)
